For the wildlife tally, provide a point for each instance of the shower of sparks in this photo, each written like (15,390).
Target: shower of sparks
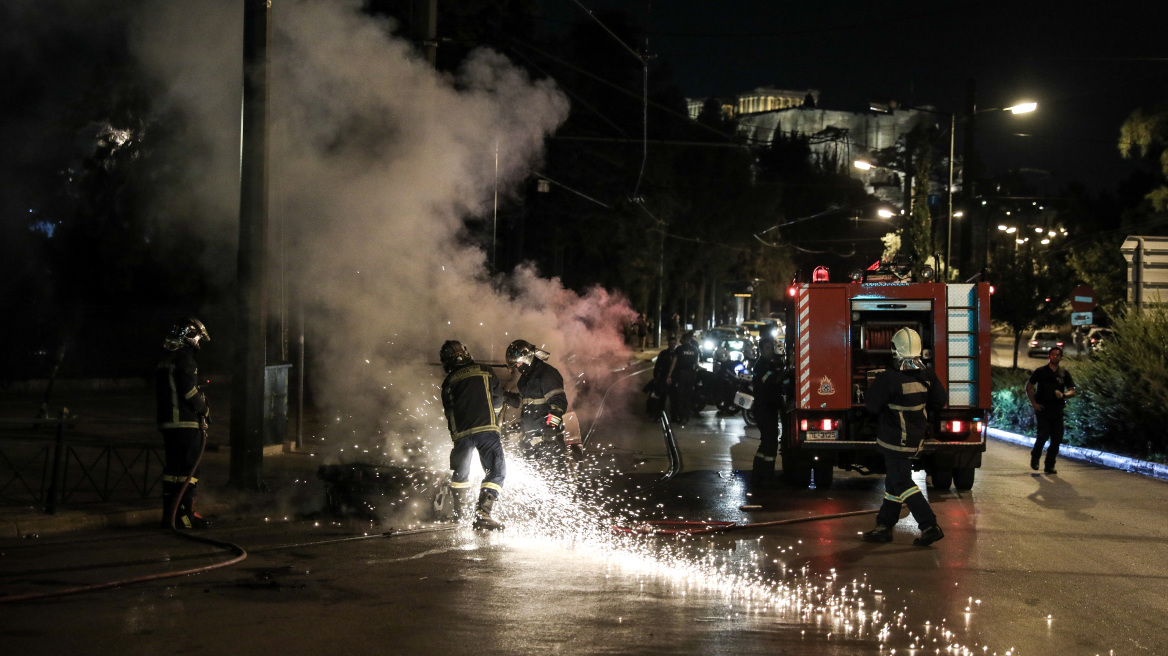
(558,503)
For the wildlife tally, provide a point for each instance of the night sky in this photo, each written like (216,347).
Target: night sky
(1088,66)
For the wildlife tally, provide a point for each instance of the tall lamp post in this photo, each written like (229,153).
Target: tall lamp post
(1020,108)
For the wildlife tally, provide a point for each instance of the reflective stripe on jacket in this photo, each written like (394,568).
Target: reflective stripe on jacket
(471,398)
(903,399)
(179,400)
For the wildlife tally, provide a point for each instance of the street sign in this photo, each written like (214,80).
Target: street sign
(1081,319)
(1082,299)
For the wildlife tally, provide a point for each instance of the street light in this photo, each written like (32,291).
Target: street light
(1020,108)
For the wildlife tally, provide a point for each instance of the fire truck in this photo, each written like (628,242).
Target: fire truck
(840,338)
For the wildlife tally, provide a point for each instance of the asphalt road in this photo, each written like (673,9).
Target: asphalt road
(1031,564)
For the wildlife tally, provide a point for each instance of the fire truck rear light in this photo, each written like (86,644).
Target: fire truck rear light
(803,425)
(828,424)
(978,426)
(956,426)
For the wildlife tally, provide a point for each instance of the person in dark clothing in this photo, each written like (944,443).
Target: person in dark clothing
(767,385)
(1048,388)
(182,418)
(471,399)
(540,397)
(902,397)
(641,329)
(683,375)
(657,388)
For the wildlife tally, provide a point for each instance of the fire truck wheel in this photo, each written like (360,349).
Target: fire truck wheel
(963,478)
(797,471)
(942,477)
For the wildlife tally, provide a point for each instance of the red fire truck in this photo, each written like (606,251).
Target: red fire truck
(839,338)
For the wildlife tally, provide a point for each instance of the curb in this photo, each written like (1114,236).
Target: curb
(38,525)
(1124,463)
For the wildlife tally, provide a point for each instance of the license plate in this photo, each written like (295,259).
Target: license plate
(820,435)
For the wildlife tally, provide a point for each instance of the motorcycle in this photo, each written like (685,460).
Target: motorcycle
(729,389)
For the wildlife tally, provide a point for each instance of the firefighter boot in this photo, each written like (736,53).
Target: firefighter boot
(881,533)
(186,516)
(461,504)
(762,474)
(483,520)
(169,499)
(929,536)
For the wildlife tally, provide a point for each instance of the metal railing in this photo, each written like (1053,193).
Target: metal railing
(52,461)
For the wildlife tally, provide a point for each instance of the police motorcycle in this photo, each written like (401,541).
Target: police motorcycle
(728,387)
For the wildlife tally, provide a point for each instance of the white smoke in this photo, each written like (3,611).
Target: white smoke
(376,160)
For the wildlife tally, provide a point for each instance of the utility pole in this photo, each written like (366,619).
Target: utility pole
(972,257)
(247,380)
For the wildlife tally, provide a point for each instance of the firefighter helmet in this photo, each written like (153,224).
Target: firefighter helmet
(906,349)
(187,330)
(520,354)
(454,355)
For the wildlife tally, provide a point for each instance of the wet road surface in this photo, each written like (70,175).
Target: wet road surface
(1031,564)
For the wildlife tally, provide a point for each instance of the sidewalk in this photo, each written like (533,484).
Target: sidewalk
(1153,469)
(291,478)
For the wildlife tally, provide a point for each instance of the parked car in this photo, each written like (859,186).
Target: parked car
(1042,341)
(735,349)
(1097,339)
(712,338)
(759,328)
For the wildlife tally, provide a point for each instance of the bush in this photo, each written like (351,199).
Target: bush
(1011,409)
(1122,404)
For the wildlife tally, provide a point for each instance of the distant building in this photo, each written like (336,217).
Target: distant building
(762,99)
(837,138)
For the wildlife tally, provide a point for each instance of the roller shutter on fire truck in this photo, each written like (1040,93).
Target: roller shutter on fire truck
(842,340)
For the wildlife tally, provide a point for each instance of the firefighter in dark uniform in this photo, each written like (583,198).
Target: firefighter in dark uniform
(683,375)
(540,396)
(1048,388)
(471,398)
(903,396)
(767,385)
(182,416)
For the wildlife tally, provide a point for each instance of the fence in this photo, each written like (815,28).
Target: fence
(71,460)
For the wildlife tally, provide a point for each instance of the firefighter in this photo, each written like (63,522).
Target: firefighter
(683,375)
(540,396)
(1048,388)
(471,398)
(767,383)
(182,420)
(903,396)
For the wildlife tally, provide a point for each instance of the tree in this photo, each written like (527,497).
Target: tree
(1145,134)
(1028,290)
(1100,264)
(918,234)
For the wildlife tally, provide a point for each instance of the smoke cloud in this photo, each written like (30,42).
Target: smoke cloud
(376,161)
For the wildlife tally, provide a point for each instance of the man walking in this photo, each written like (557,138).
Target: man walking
(1049,388)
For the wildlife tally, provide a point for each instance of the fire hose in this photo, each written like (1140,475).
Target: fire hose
(241,554)
(684,528)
